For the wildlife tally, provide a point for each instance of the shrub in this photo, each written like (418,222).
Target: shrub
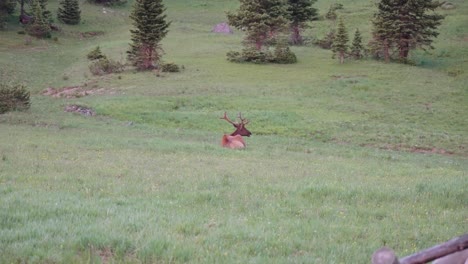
(250,54)
(106,66)
(233,56)
(170,67)
(13,98)
(327,42)
(284,55)
(96,54)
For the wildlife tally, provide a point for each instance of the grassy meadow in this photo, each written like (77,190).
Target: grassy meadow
(343,158)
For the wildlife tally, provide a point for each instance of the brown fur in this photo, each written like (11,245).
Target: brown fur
(233,142)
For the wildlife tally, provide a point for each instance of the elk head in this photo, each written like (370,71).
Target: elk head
(235,140)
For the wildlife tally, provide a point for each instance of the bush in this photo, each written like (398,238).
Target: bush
(96,54)
(13,98)
(39,30)
(250,54)
(327,42)
(170,67)
(284,55)
(106,66)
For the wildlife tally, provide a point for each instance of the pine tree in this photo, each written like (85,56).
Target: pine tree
(340,42)
(300,12)
(39,28)
(262,19)
(7,7)
(69,12)
(356,47)
(331,13)
(151,27)
(46,14)
(404,25)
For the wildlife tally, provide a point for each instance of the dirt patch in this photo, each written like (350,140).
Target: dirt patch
(430,150)
(83,110)
(90,34)
(73,92)
(338,77)
(417,149)
(106,255)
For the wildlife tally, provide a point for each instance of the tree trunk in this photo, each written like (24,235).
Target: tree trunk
(296,38)
(342,57)
(259,42)
(403,49)
(386,51)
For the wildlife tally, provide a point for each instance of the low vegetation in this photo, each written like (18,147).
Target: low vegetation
(13,98)
(128,167)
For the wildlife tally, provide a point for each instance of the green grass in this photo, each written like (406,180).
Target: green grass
(328,175)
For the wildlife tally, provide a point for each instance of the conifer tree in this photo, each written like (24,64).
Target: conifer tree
(300,12)
(357,48)
(46,14)
(331,13)
(7,7)
(340,42)
(261,19)
(69,12)
(39,28)
(151,27)
(404,25)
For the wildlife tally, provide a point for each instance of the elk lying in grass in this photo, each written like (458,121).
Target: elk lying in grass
(235,140)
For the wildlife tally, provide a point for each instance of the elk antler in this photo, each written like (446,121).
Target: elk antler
(243,120)
(240,127)
(229,120)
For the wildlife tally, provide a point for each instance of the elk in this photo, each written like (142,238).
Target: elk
(235,140)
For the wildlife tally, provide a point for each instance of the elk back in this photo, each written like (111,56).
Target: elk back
(233,142)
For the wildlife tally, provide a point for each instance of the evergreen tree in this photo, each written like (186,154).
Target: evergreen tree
(6,8)
(356,47)
(404,25)
(151,27)
(262,19)
(340,42)
(300,12)
(331,13)
(39,28)
(383,28)
(46,14)
(69,12)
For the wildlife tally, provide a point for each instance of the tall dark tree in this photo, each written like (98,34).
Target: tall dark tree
(69,12)
(6,8)
(357,49)
(405,25)
(151,27)
(340,42)
(261,19)
(300,12)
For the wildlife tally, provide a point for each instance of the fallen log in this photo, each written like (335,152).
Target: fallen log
(454,245)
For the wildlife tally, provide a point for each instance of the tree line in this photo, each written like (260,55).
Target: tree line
(270,26)
(398,26)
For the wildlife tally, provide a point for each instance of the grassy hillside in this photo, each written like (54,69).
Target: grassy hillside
(343,158)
